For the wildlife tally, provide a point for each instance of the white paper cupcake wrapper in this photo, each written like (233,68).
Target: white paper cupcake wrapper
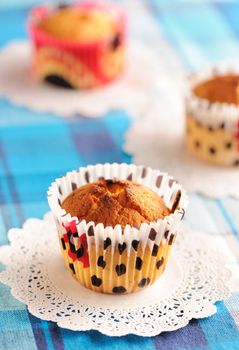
(215,115)
(152,233)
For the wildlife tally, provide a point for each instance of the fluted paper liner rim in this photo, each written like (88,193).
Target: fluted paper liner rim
(211,113)
(164,185)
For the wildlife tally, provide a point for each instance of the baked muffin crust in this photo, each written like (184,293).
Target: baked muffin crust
(113,202)
(75,24)
(224,89)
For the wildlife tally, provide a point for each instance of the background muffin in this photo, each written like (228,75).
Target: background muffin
(212,122)
(79,46)
(119,258)
(77,24)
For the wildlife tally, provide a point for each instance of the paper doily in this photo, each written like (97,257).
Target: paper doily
(130,92)
(163,148)
(193,281)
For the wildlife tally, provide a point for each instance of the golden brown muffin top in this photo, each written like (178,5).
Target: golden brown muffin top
(220,89)
(82,25)
(113,202)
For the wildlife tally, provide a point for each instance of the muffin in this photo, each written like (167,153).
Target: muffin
(116,224)
(77,24)
(115,202)
(212,116)
(79,46)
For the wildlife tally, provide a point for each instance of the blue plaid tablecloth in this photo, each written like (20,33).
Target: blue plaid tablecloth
(35,148)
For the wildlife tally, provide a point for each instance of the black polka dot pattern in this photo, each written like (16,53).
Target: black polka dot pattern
(176,201)
(144,282)
(155,250)
(135,244)
(144,173)
(121,247)
(101,262)
(80,252)
(212,150)
(73,186)
(159,263)
(119,290)
(58,81)
(130,177)
(170,242)
(107,243)
(210,128)
(120,269)
(138,263)
(63,244)
(96,281)
(71,266)
(171,182)
(91,231)
(116,42)
(228,145)
(87,177)
(197,144)
(159,180)
(166,234)
(152,234)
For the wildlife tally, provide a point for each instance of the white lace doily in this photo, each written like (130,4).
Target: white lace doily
(161,145)
(193,281)
(129,92)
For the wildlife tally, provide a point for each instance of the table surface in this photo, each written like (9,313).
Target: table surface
(35,148)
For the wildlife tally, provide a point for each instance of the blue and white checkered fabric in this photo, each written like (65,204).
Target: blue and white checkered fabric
(35,148)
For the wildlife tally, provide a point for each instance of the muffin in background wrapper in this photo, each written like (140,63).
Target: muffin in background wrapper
(75,63)
(212,115)
(117,260)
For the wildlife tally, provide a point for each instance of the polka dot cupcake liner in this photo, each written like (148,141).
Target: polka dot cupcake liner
(116,259)
(73,64)
(212,129)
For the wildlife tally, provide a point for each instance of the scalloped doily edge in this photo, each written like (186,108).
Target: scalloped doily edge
(209,306)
